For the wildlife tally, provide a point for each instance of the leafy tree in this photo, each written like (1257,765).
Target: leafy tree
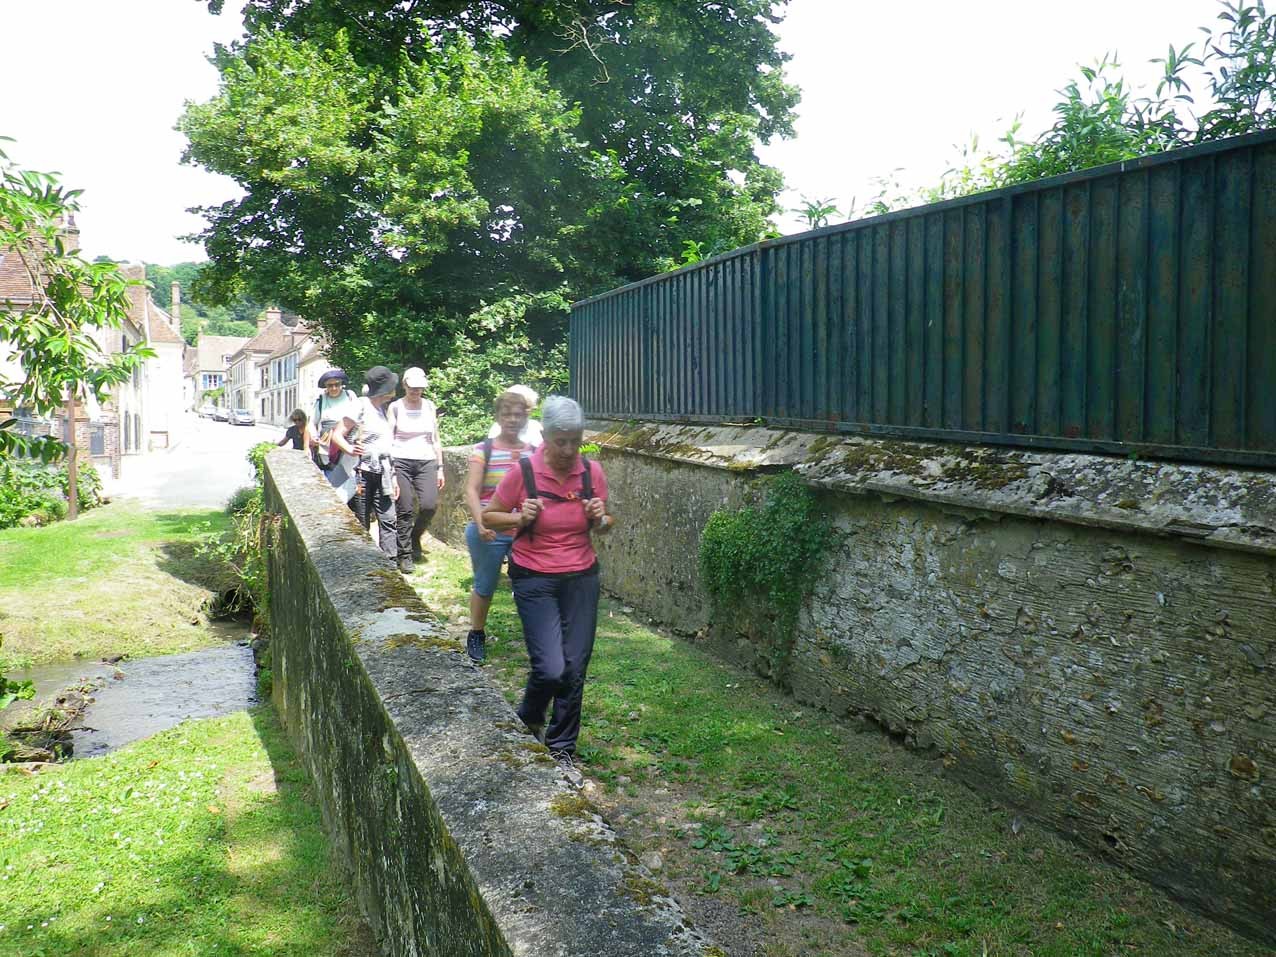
(56,338)
(816,212)
(1100,119)
(412,168)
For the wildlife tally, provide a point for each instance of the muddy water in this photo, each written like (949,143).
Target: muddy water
(143,697)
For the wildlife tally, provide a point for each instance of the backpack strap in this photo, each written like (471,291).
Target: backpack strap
(587,484)
(487,455)
(529,487)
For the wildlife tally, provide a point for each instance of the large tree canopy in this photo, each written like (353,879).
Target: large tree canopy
(410,166)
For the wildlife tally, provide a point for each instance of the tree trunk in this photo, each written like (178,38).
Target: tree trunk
(72,476)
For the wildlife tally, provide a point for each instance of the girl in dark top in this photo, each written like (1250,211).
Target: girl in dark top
(296,433)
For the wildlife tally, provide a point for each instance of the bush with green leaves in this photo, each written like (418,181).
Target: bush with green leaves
(11,691)
(242,550)
(243,498)
(767,556)
(1103,119)
(257,459)
(32,490)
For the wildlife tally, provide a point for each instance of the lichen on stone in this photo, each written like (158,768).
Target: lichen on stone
(572,806)
(407,639)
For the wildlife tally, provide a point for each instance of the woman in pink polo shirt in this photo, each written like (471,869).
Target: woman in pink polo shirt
(555,572)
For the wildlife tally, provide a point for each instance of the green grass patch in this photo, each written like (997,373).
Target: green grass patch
(199,841)
(858,833)
(119,580)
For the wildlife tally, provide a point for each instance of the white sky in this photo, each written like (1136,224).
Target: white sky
(92,88)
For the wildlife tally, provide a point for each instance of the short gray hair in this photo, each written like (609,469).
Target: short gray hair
(561,414)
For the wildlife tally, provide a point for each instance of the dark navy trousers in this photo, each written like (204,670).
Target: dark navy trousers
(559,618)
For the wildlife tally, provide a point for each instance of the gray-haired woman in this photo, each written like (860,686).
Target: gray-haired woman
(555,499)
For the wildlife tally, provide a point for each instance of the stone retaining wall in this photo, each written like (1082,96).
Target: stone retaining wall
(460,833)
(1087,639)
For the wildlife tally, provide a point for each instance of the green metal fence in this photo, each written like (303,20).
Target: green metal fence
(1128,308)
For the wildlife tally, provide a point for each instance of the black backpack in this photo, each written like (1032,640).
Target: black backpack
(529,483)
(529,487)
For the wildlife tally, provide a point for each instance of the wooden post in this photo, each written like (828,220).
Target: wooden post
(72,476)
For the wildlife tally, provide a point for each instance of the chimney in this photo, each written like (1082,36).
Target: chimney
(175,309)
(273,314)
(70,233)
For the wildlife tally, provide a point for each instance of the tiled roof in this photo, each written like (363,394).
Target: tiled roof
(213,349)
(190,361)
(161,328)
(295,338)
(15,284)
(269,339)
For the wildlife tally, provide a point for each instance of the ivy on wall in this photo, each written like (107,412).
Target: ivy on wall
(767,557)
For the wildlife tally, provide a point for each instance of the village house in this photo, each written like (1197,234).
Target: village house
(207,365)
(123,425)
(248,373)
(162,405)
(293,380)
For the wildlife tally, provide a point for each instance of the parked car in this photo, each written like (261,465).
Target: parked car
(242,417)
(207,411)
(221,415)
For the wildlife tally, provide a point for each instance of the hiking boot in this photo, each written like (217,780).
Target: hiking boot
(475,645)
(569,764)
(537,731)
(406,566)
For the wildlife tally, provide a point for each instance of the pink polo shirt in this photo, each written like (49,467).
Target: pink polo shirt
(559,539)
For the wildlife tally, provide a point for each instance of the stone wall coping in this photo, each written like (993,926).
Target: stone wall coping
(549,870)
(1215,505)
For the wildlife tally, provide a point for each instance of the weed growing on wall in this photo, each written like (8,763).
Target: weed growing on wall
(243,550)
(766,556)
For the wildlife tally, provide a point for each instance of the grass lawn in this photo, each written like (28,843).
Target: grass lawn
(119,580)
(199,841)
(790,833)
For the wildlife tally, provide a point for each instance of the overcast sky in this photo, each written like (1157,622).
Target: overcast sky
(92,89)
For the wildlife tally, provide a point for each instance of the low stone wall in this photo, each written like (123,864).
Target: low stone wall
(461,835)
(1087,639)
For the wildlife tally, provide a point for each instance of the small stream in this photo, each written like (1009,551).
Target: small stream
(139,698)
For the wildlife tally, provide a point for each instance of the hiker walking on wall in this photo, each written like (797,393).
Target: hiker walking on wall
(489,461)
(418,454)
(555,500)
(376,464)
(332,428)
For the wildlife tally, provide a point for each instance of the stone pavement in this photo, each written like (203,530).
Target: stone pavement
(204,467)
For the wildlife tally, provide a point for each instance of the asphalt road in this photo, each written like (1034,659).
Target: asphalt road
(205,467)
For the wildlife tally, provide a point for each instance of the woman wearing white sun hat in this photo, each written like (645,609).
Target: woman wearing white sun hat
(532,434)
(417,452)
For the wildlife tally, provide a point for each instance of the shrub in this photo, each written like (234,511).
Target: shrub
(243,499)
(243,548)
(32,489)
(11,691)
(769,554)
(257,459)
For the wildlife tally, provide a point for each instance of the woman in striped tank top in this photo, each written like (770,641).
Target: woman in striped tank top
(488,463)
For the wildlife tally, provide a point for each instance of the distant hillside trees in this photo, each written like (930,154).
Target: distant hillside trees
(239,318)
